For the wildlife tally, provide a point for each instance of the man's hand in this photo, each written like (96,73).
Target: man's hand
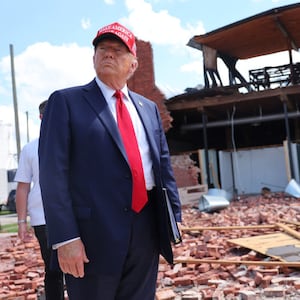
(71,258)
(23,232)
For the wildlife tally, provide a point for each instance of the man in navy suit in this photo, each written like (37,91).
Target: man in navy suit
(107,250)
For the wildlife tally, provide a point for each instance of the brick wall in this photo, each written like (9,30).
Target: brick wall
(185,170)
(143,81)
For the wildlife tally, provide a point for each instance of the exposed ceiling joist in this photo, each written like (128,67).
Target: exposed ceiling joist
(286,34)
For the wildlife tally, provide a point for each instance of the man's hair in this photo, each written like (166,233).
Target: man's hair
(42,107)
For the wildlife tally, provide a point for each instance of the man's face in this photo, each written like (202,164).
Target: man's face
(112,59)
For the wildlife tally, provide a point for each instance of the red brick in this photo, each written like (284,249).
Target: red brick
(244,280)
(266,281)
(190,295)
(224,275)
(32,297)
(218,295)
(297,284)
(274,291)
(271,272)
(171,274)
(258,278)
(21,269)
(213,250)
(206,294)
(228,290)
(165,295)
(247,295)
(182,281)
(203,268)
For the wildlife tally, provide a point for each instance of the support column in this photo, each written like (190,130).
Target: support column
(288,138)
(204,122)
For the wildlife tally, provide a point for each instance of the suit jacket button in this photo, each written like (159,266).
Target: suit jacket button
(126,209)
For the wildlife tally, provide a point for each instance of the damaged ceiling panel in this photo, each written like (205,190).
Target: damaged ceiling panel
(281,246)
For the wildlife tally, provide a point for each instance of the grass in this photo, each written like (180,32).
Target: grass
(9,228)
(5,212)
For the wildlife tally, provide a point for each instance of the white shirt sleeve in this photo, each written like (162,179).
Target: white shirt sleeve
(56,246)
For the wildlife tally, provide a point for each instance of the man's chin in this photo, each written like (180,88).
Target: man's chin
(108,70)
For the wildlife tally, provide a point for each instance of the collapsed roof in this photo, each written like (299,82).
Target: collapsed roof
(265,33)
(269,32)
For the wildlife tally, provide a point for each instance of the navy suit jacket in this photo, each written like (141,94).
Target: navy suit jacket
(85,177)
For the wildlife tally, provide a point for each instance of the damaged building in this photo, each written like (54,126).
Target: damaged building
(244,137)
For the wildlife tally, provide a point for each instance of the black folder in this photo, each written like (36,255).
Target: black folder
(174,232)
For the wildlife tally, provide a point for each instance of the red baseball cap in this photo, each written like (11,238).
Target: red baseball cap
(121,32)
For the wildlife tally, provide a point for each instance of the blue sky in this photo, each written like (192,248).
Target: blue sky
(52,43)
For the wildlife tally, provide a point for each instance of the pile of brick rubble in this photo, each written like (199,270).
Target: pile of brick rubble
(195,281)
(21,267)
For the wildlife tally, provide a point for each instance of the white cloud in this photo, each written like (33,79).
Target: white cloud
(39,70)
(85,23)
(158,27)
(193,67)
(109,2)
(166,32)
(169,91)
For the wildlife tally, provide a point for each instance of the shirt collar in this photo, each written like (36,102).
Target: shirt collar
(109,92)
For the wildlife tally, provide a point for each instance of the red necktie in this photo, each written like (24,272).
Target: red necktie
(139,192)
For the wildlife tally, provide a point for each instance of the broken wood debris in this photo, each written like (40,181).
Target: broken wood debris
(237,262)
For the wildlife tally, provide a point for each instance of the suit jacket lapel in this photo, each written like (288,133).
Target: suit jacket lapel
(145,117)
(97,101)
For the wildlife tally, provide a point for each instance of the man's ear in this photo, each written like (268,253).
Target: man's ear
(134,65)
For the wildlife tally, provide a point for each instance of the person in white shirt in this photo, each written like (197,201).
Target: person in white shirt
(29,202)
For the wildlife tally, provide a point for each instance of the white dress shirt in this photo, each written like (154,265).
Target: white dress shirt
(140,133)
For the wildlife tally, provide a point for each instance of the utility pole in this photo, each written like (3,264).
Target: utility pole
(15,100)
(27,126)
